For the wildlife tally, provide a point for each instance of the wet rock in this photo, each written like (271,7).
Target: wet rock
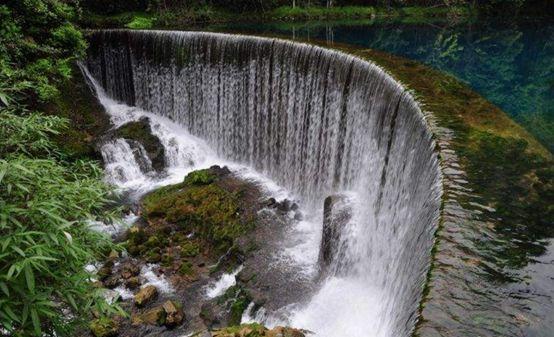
(336,214)
(251,330)
(129,270)
(141,132)
(284,206)
(132,282)
(104,327)
(113,256)
(146,295)
(173,313)
(112,282)
(211,314)
(285,332)
(155,316)
(270,202)
(106,271)
(220,171)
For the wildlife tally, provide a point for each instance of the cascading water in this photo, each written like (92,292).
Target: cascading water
(318,122)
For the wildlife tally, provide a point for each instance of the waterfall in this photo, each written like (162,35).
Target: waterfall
(318,122)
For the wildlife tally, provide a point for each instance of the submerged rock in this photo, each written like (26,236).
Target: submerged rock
(146,295)
(336,214)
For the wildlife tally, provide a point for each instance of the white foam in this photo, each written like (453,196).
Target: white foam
(124,293)
(225,282)
(160,282)
(342,308)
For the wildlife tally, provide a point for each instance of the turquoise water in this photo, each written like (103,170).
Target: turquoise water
(509,63)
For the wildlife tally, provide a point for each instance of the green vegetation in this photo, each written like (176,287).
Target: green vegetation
(47,196)
(321,13)
(200,177)
(172,13)
(141,22)
(200,205)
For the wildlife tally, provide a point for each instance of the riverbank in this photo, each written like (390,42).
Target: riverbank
(183,17)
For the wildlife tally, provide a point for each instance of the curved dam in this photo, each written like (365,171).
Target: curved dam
(317,122)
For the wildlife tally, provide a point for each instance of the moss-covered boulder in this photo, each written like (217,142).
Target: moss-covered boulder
(209,204)
(104,327)
(173,313)
(155,316)
(145,295)
(141,132)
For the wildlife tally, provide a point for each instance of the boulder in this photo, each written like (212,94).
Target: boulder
(104,327)
(132,282)
(336,215)
(155,316)
(141,133)
(129,270)
(145,295)
(173,313)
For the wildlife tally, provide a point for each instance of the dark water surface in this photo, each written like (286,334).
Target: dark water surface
(510,63)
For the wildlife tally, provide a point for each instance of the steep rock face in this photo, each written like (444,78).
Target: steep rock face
(336,215)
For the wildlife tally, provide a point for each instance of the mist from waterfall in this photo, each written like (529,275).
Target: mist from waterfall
(317,122)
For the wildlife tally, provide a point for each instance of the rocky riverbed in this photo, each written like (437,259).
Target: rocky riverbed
(197,258)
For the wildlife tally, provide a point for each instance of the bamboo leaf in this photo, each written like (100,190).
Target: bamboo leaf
(5,288)
(36,321)
(30,278)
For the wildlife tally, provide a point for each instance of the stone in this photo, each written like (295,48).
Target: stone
(145,295)
(104,327)
(155,316)
(271,202)
(132,282)
(112,281)
(284,206)
(129,270)
(210,315)
(285,332)
(140,132)
(336,215)
(114,255)
(106,271)
(173,313)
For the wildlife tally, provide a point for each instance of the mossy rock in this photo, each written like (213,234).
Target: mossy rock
(200,177)
(141,132)
(104,327)
(200,205)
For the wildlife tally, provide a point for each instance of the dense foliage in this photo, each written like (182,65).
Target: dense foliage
(118,6)
(47,200)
